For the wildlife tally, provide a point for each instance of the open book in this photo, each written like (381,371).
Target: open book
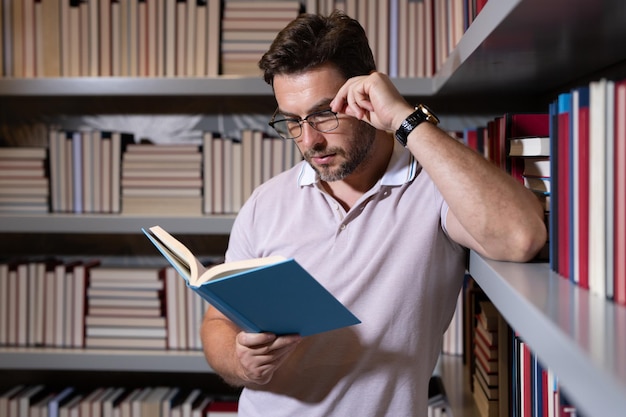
(270,294)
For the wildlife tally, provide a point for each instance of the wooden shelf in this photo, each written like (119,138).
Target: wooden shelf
(579,335)
(114,224)
(102,360)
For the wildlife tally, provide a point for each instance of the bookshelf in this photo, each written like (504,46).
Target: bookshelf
(516,55)
(113,224)
(102,360)
(581,336)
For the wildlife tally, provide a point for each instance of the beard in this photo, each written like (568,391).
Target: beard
(355,152)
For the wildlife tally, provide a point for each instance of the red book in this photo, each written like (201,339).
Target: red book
(519,125)
(582,202)
(527,124)
(480,4)
(563,190)
(221,408)
(471,139)
(620,193)
(526,380)
(545,392)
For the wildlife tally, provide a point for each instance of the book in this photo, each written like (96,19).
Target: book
(530,146)
(270,294)
(580,184)
(620,192)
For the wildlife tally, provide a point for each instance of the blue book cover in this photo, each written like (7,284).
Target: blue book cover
(271,294)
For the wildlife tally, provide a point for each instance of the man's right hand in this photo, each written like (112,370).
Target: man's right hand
(261,354)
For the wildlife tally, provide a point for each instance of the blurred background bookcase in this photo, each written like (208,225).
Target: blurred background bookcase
(517,55)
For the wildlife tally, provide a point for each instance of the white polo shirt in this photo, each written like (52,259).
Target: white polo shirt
(388,259)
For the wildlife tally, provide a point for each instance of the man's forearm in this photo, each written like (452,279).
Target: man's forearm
(218,342)
(504,218)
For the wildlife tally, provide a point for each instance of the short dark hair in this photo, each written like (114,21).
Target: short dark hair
(311,40)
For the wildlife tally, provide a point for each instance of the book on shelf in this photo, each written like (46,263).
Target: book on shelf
(514,130)
(600,197)
(579,137)
(530,146)
(23,181)
(620,192)
(260,295)
(587,187)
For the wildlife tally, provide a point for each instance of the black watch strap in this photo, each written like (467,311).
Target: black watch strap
(421,114)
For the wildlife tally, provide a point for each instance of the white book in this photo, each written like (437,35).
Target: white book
(597,190)
(125,405)
(22,304)
(4,303)
(609,121)
(12,309)
(110,401)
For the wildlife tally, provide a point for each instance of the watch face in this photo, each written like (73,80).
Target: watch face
(428,114)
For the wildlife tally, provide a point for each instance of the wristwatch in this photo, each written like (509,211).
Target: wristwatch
(421,114)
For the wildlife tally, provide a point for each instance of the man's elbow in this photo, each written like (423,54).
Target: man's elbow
(523,245)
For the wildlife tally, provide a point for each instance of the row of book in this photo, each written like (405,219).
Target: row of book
(83,304)
(574,158)
(588,225)
(198,38)
(52,401)
(92,171)
(67,38)
(506,377)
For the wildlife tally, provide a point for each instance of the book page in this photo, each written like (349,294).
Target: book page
(231,268)
(191,268)
(179,256)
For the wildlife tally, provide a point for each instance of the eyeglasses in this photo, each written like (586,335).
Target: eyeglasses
(291,128)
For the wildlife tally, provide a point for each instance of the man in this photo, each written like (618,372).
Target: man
(384,227)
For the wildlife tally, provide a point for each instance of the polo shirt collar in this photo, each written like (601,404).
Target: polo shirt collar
(402,168)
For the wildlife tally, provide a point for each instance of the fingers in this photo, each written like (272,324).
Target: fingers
(260,355)
(353,98)
(371,98)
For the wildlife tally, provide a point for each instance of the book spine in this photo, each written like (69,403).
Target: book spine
(226,309)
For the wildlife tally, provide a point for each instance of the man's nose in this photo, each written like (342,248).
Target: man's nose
(310,136)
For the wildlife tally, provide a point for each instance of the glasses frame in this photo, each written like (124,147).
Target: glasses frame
(301,121)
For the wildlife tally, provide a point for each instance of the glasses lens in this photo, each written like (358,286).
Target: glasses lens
(288,128)
(324,121)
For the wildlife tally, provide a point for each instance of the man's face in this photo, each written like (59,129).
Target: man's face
(335,154)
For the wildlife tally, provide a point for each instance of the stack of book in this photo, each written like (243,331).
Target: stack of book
(125,308)
(485,378)
(528,144)
(24,184)
(162,179)
(248,29)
